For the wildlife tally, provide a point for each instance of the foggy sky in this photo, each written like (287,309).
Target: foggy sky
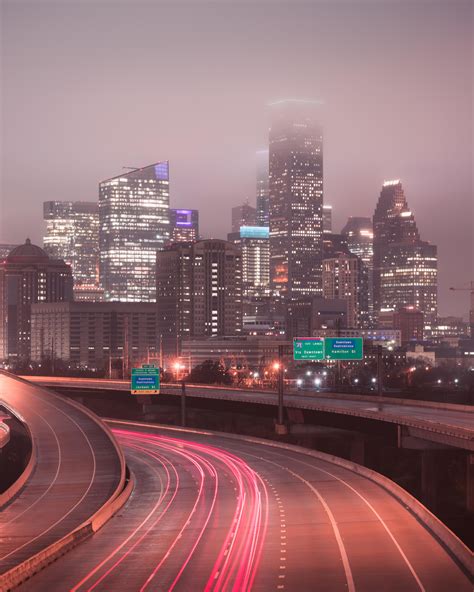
(91,86)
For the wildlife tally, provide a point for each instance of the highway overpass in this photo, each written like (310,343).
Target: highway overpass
(216,512)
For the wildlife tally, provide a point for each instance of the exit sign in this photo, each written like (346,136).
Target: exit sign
(308,348)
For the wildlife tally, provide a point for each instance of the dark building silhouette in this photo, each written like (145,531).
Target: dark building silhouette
(263,198)
(28,276)
(243,215)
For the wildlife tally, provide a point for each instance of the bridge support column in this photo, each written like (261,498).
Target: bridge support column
(428,478)
(358,450)
(470,482)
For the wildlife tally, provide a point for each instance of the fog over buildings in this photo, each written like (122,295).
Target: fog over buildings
(89,87)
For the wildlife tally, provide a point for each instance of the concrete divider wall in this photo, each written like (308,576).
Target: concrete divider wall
(15,487)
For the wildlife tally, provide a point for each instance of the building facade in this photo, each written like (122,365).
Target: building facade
(359,236)
(134,224)
(263,198)
(253,242)
(95,334)
(243,215)
(184,226)
(27,276)
(345,278)
(405,267)
(327,218)
(296,200)
(72,234)
(198,292)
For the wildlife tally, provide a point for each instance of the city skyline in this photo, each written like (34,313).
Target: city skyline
(211,145)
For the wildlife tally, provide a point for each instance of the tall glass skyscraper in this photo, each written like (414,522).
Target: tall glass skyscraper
(72,234)
(296,200)
(134,221)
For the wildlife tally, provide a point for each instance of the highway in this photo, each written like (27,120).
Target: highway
(216,513)
(448,424)
(77,469)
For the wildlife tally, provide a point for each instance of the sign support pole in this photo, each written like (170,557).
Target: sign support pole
(280,426)
(379,376)
(183,404)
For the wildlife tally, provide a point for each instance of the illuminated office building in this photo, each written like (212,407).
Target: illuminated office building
(253,242)
(345,278)
(263,199)
(405,267)
(184,226)
(296,200)
(27,276)
(72,234)
(327,218)
(359,237)
(134,224)
(198,291)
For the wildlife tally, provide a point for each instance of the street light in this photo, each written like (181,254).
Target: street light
(317,381)
(356,380)
(439,381)
(456,380)
(299,382)
(276,365)
(308,372)
(374,380)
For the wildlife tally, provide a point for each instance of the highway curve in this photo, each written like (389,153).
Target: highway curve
(213,513)
(78,468)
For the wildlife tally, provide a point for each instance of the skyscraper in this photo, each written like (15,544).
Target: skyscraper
(345,278)
(253,242)
(296,200)
(27,276)
(359,236)
(184,225)
(263,198)
(198,291)
(72,234)
(134,224)
(243,215)
(327,218)
(405,267)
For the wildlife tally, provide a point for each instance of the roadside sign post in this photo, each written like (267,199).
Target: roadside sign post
(183,404)
(145,380)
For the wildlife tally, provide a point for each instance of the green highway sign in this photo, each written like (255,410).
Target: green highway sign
(343,348)
(145,380)
(308,348)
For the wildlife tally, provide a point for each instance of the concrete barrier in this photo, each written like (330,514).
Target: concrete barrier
(25,570)
(16,487)
(446,537)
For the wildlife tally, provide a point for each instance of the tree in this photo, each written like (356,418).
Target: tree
(210,372)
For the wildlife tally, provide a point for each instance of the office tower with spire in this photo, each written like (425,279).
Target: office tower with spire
(405,267)
(296,200)
(134,224)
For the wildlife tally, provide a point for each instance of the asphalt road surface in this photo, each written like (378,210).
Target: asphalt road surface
(77,471)
(212,513)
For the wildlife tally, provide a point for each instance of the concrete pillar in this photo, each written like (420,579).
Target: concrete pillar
(358,450)
(470,482)
(428,478)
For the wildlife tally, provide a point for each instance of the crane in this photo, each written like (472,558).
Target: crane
(471,311)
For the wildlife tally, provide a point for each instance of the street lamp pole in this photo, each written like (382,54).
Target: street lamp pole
(379,375)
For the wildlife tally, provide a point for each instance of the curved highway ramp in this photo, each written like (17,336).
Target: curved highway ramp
(212,512)
(77,472)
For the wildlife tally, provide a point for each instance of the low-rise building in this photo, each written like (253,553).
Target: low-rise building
(94,333)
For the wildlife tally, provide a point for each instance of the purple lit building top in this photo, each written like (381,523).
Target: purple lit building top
(184,225)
